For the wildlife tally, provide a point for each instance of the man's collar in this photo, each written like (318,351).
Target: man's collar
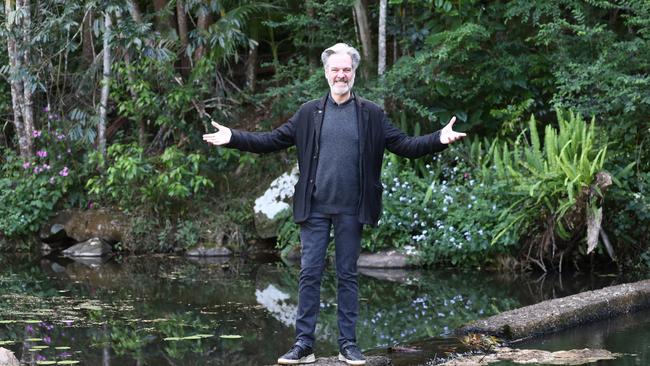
(323,101)
(349,100)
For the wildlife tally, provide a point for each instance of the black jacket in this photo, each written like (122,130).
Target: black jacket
(376,133)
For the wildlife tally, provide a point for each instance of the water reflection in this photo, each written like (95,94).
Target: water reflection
(171,310)
(626,334)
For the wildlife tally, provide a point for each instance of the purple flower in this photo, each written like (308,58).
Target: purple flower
(46,166)
(36,133)
(46,109)
(26,165)
(29,329)
(90,204)
(41,153)
(60,136)
(37,169)
(65,354)
(47,339)
(64,172)
(40,357)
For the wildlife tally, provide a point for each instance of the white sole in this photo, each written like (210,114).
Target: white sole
(350,362)
(307,359)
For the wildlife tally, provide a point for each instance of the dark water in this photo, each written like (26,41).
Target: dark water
(628,335)
(140,310)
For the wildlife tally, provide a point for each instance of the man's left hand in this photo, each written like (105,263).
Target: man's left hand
(448,135)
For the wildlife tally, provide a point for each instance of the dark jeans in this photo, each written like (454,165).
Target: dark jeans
(314,237)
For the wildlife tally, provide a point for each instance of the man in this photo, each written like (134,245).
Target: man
(340,140)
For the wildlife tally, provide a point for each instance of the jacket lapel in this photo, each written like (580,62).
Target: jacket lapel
(363,115)
(319,113)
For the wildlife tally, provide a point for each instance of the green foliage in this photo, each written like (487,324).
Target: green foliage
(31,190)
(159,182)
(549,181)
(446,215)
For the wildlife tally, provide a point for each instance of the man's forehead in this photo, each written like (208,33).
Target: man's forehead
(339,60)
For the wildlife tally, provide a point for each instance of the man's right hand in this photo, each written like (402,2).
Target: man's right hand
(221,137)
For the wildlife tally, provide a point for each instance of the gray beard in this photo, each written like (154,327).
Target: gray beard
(340,91)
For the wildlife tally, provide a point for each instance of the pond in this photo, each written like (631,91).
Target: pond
(167,310)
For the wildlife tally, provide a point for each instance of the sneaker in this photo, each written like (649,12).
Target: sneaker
(297,355)
(351,355)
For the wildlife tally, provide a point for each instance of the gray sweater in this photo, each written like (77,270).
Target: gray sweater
(337,174)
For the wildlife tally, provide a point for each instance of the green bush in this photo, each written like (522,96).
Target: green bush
(551,187)
(160,182)
(445,215)
(30,190)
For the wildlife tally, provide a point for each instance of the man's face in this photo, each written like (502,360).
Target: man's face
(339,73)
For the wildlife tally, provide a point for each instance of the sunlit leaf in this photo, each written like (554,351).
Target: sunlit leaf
(230,336)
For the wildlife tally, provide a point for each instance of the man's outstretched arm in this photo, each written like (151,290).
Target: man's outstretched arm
(402,144)
(257,142)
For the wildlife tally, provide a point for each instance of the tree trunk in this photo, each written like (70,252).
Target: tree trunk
(381,47)
(15,52)
(135,12)
(364,31)
(137,17)
(103,103)
(87,45)
(163,21)
(184,38)
(28,87)
(251,68)
(313,55)
(203,22)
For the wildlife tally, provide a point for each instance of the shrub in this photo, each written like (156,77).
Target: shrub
(552,188)
(30,190)
(132,179)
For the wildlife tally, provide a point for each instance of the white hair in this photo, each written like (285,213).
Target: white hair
(341,48)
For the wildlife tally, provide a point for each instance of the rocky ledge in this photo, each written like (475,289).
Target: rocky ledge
(553,315)
(370,361)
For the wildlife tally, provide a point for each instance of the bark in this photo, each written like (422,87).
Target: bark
(251,68)
(313,54)
(103,103)
(381,47)
(15,49)
(87,45)
(203,22)
(135,12)
(137,17)
(28,88)
(364,30)
(183,36)
(163,21)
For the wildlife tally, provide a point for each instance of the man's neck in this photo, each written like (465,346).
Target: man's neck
(339,99)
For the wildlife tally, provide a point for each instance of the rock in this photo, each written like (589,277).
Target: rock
(557,314)
(370,361)
(528,356)
(45,249)
(392,274)
(204,261)
(273,202)
(54,232)
(291,254)
(81,225)
(208,250)
(94,247)
(7,358)
(387,259)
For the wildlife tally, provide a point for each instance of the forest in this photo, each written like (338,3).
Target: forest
(104,104)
